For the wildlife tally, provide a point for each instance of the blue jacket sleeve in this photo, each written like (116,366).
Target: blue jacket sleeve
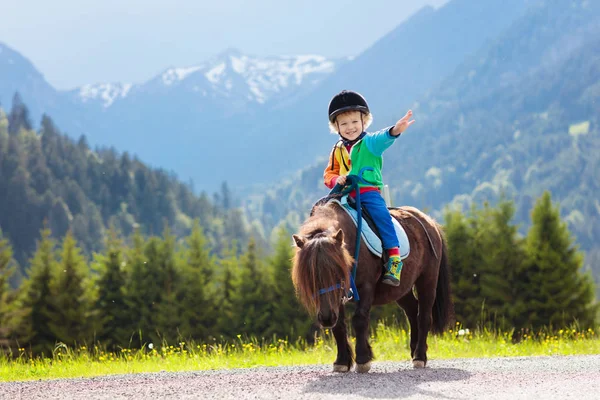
(379,141)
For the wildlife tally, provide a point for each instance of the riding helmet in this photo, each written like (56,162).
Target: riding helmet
(347,100)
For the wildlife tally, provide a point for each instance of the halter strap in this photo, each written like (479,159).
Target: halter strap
(330,289)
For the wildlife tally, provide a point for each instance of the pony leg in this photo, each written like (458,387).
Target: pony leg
(345,358)
(410,306)
(360,322)
(424,318)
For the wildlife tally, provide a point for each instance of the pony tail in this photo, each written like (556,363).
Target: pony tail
(443,308)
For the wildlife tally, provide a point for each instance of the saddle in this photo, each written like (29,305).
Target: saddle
(369,232)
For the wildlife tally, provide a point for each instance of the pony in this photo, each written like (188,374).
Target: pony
(322,269)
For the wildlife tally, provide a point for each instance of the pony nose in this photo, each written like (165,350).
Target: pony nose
(327,322)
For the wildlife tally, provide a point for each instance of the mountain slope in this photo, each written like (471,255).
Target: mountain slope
(393,74)
(179,114)
(49,180)
(519,117)
(17,74)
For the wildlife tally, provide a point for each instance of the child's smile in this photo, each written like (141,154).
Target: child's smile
(350,125)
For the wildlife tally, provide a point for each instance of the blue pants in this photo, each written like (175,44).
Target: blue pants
(375,205)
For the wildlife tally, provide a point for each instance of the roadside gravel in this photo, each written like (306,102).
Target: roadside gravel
(573,377)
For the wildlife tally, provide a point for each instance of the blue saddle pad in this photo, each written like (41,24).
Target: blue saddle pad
(372,241)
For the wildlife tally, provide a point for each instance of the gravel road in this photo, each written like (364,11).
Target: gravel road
(575,377)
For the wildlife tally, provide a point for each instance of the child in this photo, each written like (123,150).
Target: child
(349,116)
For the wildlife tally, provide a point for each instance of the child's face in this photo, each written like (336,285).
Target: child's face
(350,124)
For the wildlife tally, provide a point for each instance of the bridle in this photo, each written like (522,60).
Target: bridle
(345,298)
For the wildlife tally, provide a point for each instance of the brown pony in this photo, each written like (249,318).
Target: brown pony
(321,275)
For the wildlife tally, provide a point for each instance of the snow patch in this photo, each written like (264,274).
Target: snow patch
(266,77)
(239,64)
(258,78)
(107,92)
(214,74)
(178,74)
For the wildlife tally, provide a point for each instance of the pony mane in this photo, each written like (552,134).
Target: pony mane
(322,261)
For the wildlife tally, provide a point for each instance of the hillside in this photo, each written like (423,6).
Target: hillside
(236,107)
(49,179)
(518,117)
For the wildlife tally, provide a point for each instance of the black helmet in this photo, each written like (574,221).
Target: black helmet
(347,100)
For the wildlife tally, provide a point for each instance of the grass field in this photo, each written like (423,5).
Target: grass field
(389,344)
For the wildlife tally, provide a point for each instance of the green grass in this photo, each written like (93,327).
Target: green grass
(389,344)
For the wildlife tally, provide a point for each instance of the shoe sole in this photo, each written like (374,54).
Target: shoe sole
(391,282)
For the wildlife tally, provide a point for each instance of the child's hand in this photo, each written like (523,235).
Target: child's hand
(402,124)
(341,180)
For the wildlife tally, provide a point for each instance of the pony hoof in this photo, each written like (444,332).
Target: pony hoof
(418,364)
(340,368)
(363,368)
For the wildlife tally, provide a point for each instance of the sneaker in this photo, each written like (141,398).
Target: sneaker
(394,267)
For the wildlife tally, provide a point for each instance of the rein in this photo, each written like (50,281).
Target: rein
(352,182)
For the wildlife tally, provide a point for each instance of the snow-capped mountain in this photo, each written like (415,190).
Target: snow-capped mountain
(247,79)
(246,119)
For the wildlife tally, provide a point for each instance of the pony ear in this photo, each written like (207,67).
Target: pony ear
(300,241)
(339,236)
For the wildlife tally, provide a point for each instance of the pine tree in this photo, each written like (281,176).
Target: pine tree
(143,290)
(289,317)
(502,255)
(111,309)
(226,202)
(19,116)
(167,310)
(234,227)
(198,308)
(228,318)
(553,291)
(253,297)
(6,270)
(70,322)
(466,262)
(3,124)
(34,329)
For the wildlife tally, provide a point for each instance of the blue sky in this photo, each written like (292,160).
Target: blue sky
(73,42)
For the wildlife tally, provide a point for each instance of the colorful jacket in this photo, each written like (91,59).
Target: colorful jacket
(367,152)
(339,164)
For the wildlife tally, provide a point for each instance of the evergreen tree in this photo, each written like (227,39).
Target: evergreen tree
(552,290)
(198,308)
(110,306)
(226,202)
(502,255)
(235,228)
(466,262)
(167,310)
(3,123)
(34,329)
(19,116)
(289,317)
(6,270)
(253,297)
(70,322)
(228,319)
(143,291)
